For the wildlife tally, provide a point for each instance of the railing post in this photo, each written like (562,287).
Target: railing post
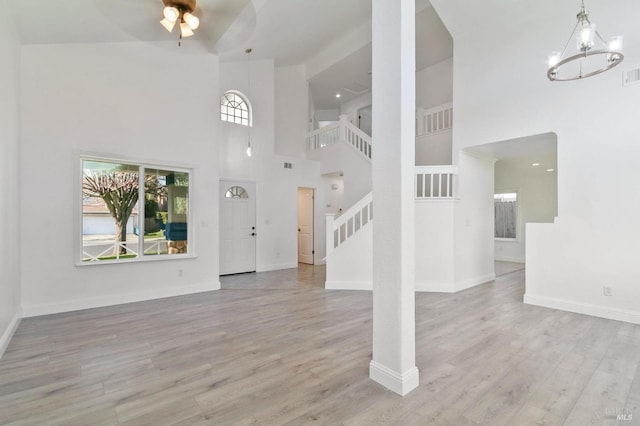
(344,119)
(420,122)
(329,220)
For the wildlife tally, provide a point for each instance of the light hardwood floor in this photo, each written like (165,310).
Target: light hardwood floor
(276,348)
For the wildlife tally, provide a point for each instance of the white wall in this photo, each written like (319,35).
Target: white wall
(355,167)
(334,201)
(142,101)
(10,240)
(501,92)
(537,203)
(473,226)
(276,187)
(434,85)
(435,245)
(434,150)
(291,109)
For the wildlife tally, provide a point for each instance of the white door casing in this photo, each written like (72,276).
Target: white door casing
(237,227)
(305,225)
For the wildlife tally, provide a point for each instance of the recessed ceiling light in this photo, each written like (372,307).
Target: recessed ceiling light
(338,95)
(535,164)
(551,170)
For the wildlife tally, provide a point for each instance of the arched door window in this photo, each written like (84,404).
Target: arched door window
(236,192)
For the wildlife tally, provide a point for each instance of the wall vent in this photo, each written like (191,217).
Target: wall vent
(631,76)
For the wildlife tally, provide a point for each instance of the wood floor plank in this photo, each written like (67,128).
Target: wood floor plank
(276,348)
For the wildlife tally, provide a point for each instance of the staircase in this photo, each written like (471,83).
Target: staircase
(349,236)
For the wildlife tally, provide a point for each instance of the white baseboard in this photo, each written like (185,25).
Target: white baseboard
(117,299)
(584,308)
(348,285)
(454,287)
(509,259)
(432,287)
(9,332)
(472,282)
(276,267)
(400,383)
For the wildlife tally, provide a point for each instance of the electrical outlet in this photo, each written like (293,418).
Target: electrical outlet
(179,272)
(607,291)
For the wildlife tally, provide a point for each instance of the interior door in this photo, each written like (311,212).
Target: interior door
(237,227)
(305,225)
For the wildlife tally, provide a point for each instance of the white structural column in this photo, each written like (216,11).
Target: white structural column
(393,164)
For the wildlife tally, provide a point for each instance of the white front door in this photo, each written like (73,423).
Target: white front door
(305,225)
(237,227)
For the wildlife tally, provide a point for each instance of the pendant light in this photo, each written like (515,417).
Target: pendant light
(248,52)
(594,54)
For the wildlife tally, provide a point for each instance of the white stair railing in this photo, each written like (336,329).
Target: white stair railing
(323,137)
(436,182)
(348,223)
(434,120)
(342,131)
(355,137)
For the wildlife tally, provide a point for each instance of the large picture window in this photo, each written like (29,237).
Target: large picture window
(133,211)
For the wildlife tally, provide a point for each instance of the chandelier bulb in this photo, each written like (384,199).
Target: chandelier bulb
(249,152)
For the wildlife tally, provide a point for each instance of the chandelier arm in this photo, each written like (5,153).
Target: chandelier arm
(602,39)
(570,38)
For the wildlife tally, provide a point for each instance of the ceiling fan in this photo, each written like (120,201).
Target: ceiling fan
(180,12)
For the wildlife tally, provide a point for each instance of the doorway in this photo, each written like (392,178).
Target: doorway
(237,227)
(364,119)
(305,225)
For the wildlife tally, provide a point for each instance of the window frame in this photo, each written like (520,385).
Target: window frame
(246,102)
(142,165)
(515,239)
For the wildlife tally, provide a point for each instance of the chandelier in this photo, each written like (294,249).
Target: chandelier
(588,61)
(180,12)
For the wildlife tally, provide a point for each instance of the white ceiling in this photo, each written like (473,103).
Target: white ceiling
(290,32)
(101,21)
(433,45)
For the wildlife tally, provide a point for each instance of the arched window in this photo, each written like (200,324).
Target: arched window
(234,108)
(236,192)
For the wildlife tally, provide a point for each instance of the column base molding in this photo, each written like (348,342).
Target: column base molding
(399,383)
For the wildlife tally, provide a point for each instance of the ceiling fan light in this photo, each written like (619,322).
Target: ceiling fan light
(171,13)
(185,30)
(191,20)
(168,25)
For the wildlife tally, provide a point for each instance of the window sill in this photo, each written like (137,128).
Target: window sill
(507,240)
(145,259)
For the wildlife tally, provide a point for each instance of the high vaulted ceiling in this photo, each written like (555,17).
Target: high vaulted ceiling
(291,32)
(102,21)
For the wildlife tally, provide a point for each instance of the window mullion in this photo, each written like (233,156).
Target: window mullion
(141,213)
